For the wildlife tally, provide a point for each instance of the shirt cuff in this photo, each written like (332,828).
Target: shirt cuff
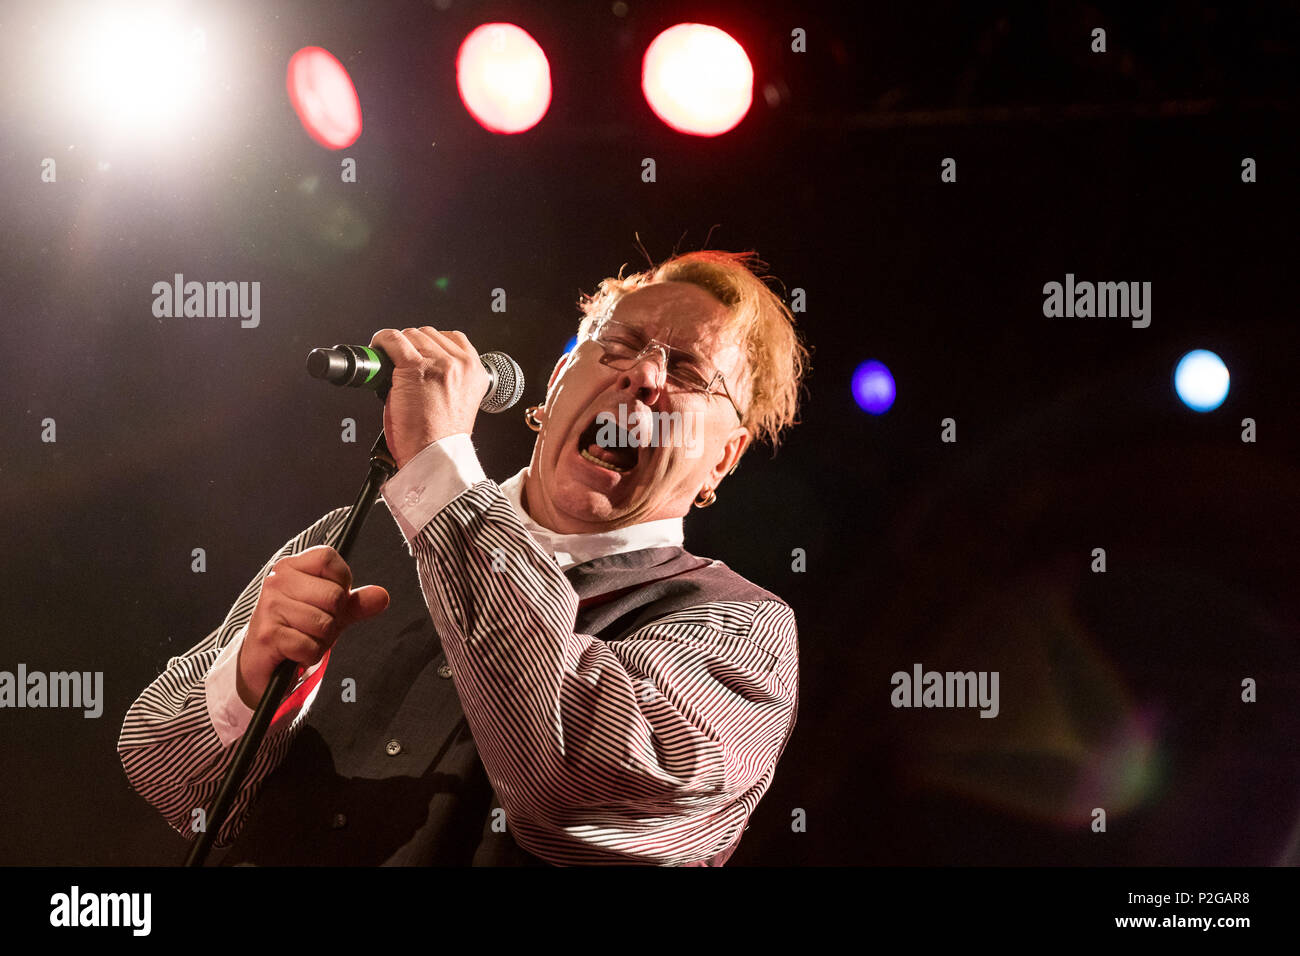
(229,714)
(430,481)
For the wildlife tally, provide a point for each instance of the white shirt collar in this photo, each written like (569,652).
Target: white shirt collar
(571,549)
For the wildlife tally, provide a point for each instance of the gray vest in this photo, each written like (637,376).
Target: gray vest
(393,778)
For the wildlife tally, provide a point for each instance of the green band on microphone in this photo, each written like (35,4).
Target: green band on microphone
(374,357)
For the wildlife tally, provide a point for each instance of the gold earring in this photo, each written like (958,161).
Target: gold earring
(530,417)
(705,498)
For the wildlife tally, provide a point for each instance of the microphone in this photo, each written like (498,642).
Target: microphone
(365,366)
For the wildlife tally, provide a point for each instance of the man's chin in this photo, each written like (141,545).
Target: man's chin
(586,495)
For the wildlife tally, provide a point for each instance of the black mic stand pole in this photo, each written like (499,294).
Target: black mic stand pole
(382,467)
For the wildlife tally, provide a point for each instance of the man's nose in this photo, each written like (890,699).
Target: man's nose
(646,377)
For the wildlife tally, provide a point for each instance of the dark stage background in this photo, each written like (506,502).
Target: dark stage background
(1119,690)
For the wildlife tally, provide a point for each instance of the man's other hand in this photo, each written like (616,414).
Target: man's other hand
(306,602)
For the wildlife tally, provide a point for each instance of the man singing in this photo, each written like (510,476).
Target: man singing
(626,701)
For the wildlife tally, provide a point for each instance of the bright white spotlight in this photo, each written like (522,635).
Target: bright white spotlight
(697,79)
(134,68)
(1201,380)
(504,78)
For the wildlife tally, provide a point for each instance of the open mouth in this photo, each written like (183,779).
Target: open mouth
(620,458)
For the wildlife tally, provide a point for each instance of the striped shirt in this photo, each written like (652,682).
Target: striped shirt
(654,749)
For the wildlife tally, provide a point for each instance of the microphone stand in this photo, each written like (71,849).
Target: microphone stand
(382,467)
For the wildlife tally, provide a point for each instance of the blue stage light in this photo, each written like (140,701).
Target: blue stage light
(873,387)
(1201,380)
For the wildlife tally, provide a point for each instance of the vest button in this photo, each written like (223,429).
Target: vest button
(444,671)
(339,821)
(393,748)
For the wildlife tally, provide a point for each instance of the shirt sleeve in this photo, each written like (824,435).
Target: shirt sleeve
(177,737)
(653,749)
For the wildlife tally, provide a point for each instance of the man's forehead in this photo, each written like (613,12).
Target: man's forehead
(676,312)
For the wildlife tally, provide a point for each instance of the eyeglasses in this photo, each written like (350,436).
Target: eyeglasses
(625,346)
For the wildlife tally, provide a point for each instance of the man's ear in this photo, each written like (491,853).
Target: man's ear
(735,446)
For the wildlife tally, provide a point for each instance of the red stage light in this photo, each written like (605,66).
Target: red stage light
(697,79)
(503,78)
(324,98)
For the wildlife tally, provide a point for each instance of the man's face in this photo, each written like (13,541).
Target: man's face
(568,492)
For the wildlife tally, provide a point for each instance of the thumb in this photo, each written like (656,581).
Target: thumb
(366,602)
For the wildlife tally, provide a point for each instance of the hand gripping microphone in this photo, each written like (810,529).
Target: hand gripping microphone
(365,366)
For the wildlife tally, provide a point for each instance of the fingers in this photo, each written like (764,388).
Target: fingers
(305,629)
(367,602)
(327,596)
(412,346)
(431,343)
(305,604)
(292,645)
(300,616)
(461,342)
(320,561)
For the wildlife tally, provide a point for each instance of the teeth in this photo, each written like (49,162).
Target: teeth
(603,464)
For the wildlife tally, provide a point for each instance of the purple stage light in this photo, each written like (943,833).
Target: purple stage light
(873,387)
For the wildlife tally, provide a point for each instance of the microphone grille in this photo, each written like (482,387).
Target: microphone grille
(509,385)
